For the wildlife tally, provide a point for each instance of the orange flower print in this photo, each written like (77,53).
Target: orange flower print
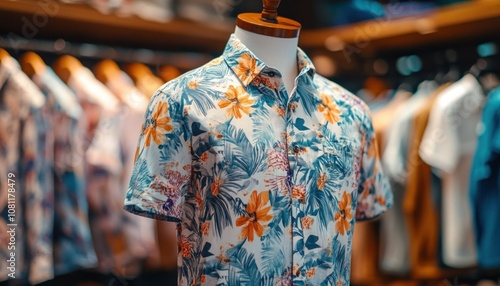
(367,185)
(381,201)
(344,216)
(186,167)
(266,81)
(136,154)
(238,101)
(280,111)
(203,279)
(296,270)
(257,216)
(299,193)
(158,125)
(330,110)
(307,222)
(204,157)
(199,200)
(246,69)
(215,187)
(311,272)
(185,247)
(372,149)
(205,227)
(321,181)
(223,259)
(193,84)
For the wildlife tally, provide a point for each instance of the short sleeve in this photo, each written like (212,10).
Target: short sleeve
(440,144)
(394,157)
(374,191)
(162,168)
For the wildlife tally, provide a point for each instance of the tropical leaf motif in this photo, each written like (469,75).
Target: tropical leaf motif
(206,250)
(268,99)
(218,208)
(140,178)
(243,270)
(342,272)
(333,164)
(281,207)
(309,140)
(299,124)
(211,266)
(348,118)
(274,260)
(262,135)
(299,247)
(307,102)
(182,130)
(201,98)
(311,242)
(244,157)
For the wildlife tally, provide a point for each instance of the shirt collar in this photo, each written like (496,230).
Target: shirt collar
(246,66)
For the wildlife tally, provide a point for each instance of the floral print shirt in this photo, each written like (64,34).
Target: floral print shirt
(21,156)
(265,186)
(122,240)
(70,232)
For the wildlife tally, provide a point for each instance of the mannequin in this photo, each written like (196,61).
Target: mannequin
(272,39)
(226,154)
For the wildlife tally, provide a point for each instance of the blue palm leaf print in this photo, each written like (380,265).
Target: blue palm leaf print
(244,270)
(141,177)
(273,258)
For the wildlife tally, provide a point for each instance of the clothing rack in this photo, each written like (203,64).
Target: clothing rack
(94,52)
(448,62)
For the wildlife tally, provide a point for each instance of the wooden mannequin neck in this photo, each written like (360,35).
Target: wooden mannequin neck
(279,53)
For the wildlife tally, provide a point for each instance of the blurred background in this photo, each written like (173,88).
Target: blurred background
(99,61)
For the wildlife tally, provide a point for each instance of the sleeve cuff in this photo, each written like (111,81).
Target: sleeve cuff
(136,209)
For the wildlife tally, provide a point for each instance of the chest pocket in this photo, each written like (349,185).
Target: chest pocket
(338,158)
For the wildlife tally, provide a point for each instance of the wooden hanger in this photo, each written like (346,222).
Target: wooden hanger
(3,54)
(32,64)
(137,71)
(143,78)
(106,70)
(268,23)
(65,66)
(168,73)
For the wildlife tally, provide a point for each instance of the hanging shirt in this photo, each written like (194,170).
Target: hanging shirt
(122,240)
(448,145)
(365,253)
(485,185)
(394,256)
(20,161)
(422,217)
(39,202)
(98,105)
(265,186)
(70,234)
